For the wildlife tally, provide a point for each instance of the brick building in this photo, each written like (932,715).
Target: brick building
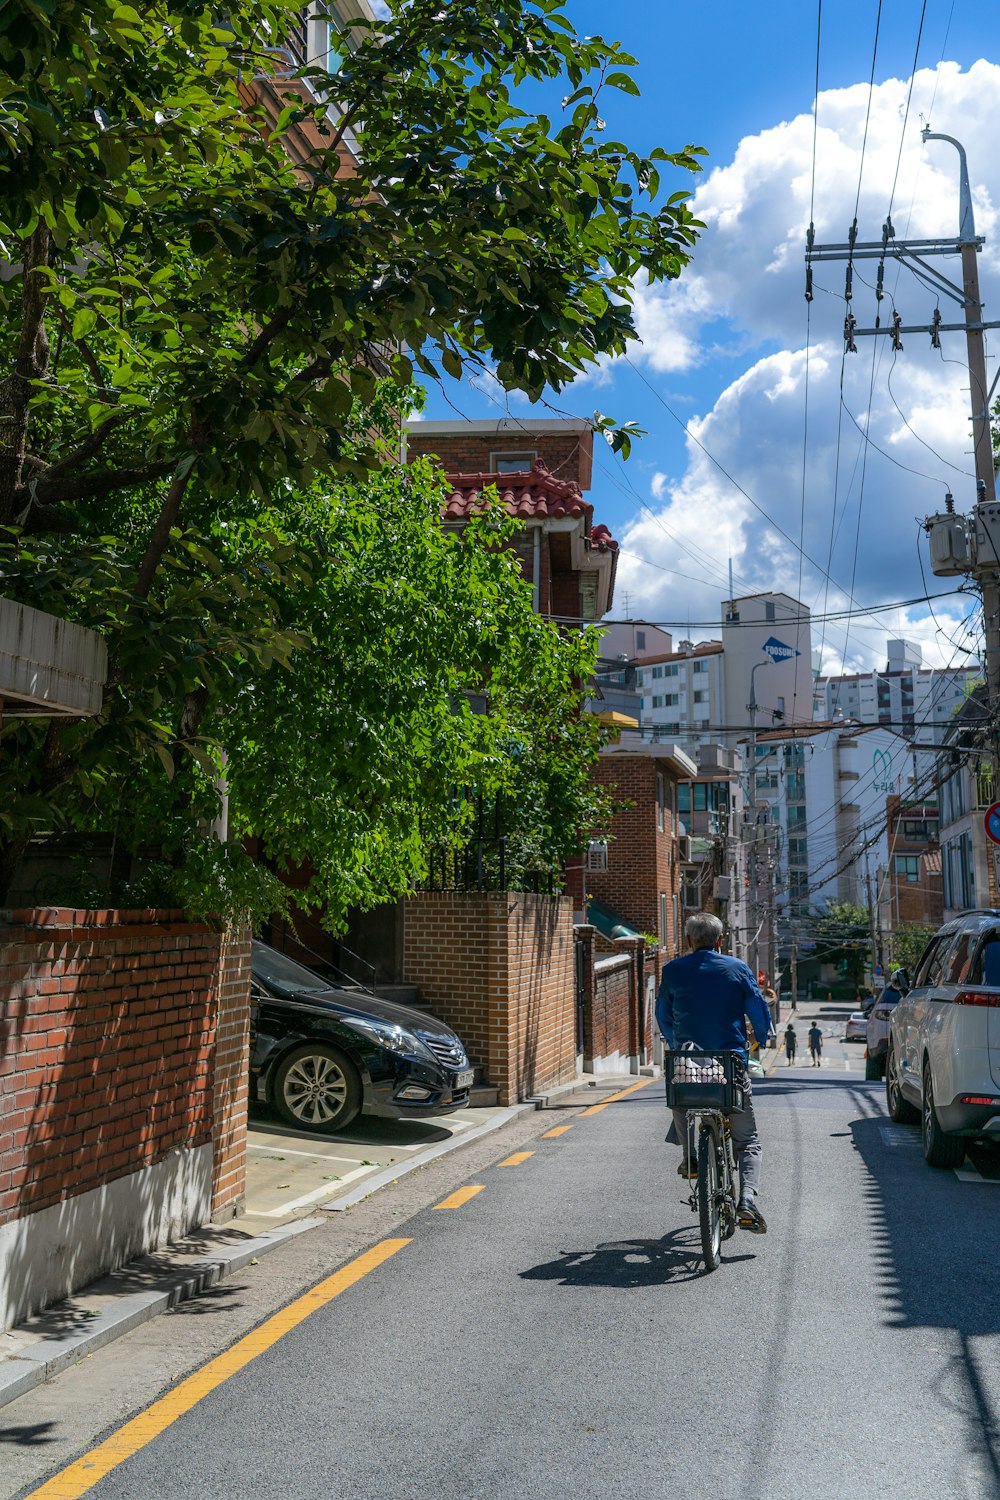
(541,471)
(637,872)
(912,884)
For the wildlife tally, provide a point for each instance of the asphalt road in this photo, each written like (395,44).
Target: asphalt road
(555,1336)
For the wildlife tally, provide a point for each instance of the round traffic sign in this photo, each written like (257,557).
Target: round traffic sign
(991,821)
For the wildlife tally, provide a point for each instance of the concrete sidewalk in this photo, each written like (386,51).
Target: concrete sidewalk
(296,1182)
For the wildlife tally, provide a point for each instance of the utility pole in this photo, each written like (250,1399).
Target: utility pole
(871,919)
(754,903)
(794,966)
(983,557)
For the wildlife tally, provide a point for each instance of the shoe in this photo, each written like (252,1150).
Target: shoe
(687,1169)
(749,1216)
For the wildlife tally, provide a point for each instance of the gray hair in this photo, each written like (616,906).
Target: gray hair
(702,930)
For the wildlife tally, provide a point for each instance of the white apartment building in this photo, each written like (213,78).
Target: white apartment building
(915,700)
(822,791)
(683,694)
(699,694)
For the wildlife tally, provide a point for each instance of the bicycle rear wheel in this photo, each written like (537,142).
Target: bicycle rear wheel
(709,1194)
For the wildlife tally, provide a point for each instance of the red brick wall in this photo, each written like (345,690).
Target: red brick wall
(568,455)
(613,1019)
(641,860)
(107,1035)
(609,1020)
(499,969)
(229,1076)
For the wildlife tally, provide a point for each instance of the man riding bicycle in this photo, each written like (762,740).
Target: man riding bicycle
(705,997)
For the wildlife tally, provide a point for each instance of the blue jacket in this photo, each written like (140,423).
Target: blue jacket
(705,998)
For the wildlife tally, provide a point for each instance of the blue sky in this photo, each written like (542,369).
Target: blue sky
(728,350)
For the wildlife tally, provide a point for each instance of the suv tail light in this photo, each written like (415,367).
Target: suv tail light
(978,997)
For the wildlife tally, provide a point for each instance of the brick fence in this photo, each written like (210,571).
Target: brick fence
(123,1058)
(619,979)
(499,968)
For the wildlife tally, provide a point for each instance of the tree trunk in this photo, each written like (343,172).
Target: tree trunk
(30,364)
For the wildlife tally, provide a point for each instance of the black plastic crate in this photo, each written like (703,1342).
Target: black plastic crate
(704,1080)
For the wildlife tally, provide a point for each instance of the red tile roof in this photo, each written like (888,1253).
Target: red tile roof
(528,495)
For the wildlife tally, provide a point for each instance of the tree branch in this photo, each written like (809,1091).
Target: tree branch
(161,531)
(55,488)
(89,447)
(267,335)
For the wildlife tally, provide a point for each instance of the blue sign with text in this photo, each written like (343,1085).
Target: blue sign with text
(778,651)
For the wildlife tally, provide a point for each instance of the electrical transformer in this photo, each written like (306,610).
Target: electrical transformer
(949,544)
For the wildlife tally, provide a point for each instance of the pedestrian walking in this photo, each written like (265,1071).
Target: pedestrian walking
(791,1042)
(815,1044)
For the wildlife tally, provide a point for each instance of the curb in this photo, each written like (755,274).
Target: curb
(401,1168)
(35,1362)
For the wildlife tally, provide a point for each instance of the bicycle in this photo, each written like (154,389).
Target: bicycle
(706,1084)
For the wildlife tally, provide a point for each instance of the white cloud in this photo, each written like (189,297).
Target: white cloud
(857,510)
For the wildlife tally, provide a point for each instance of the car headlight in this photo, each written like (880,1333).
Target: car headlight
(387,1034)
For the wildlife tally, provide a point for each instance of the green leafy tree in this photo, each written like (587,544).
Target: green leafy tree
(843,938)
(908,944)
(201,318)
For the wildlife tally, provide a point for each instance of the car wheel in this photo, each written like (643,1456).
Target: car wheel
(900,1109)
(317,1088)
(940,1149)
(873,1069)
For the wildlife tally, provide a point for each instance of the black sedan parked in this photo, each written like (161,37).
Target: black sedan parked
(322,1055)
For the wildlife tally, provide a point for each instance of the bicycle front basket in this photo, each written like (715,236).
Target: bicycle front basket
(703,1080)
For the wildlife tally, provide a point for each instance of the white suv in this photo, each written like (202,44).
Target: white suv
(943,1060)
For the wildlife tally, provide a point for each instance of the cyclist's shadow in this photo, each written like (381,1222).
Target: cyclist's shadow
(631,1263)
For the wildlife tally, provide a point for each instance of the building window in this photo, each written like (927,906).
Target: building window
(700,666)
(640,640)
(671,699)
(513,463)
(958,873)
(661,801)
(658,700)
(769,613)
(701,696)
(664,934)
(908,868)
(673,669)
(657,671)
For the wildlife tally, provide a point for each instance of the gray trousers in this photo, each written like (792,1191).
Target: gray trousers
(746,1143)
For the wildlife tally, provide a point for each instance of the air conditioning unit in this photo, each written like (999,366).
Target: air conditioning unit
(597,855)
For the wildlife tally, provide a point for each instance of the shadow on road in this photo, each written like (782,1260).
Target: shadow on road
(366,1131)
(937,1270)
(32,1435)
(624,1264)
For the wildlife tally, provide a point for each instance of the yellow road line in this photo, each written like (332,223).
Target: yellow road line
(516,1159)
(87,1471)
(595,1109)
(558,1130)
(455,1200)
